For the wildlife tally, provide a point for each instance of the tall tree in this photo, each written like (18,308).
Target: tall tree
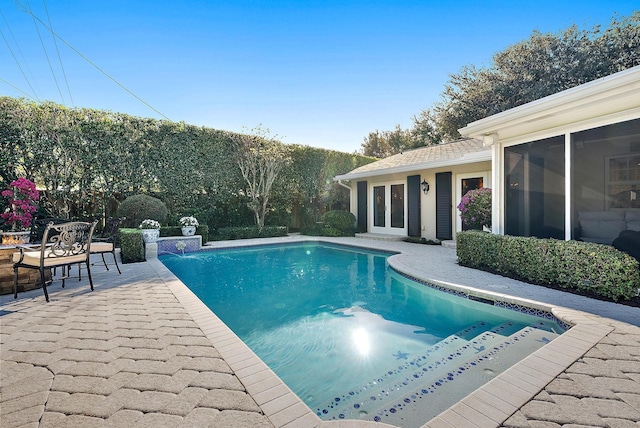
(260,159)
(382,144)
(542,65)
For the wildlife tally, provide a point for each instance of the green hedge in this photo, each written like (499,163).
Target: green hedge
(203,230)
(131,245)
(583,266)
(343,221)
(228,233)
(334,223)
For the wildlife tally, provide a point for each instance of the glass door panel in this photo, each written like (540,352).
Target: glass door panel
(397,205)
(379,205)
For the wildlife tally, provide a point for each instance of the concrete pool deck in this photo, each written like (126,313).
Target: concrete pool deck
(142,350)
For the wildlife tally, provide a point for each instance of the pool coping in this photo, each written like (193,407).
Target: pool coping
(488,406)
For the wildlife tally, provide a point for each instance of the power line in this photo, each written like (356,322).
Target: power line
(35,24)
(16,59)
(16,88)
(55,43)
(93,64)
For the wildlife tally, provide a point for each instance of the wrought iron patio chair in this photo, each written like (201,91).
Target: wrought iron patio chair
(38,225)
(63,245)
(107,242)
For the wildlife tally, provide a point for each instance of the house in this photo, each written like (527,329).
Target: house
(414,193)
(564,166)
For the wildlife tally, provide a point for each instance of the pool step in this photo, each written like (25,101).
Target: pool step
(431,387)
(406,366)
(412,408)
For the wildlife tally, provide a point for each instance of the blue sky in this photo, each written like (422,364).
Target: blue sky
(317,73)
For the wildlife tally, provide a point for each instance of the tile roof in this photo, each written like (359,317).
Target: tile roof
(461,151)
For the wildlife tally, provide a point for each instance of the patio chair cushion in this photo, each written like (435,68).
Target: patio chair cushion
(633,220)
(602,226)
(101,247)
(32,258)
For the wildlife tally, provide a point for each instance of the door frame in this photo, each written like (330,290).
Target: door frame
(387,229)
(486,177)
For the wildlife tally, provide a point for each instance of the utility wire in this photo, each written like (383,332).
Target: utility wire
(55,43)
(35,24)
(17,89)
(16,59)
(94,64)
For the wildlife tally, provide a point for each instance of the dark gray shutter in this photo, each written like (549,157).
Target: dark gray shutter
(413,205)
(362,206)
(444,205)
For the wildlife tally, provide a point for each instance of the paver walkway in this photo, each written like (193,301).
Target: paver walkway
(125,355)
(131,354)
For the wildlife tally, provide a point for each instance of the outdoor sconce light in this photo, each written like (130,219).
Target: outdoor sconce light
(425,186)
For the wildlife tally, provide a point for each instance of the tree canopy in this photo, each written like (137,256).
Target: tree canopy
(542,65)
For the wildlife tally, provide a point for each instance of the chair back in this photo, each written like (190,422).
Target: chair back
(67,239)
(38,226)
(111,228)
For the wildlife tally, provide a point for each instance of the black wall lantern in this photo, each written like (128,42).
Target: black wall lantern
(425,186)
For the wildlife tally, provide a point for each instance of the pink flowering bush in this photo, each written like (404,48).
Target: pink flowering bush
(23,197)
(475,208)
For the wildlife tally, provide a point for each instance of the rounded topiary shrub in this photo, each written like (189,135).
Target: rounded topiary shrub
(141,207)
(343,221)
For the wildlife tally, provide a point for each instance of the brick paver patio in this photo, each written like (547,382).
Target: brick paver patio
(132,353)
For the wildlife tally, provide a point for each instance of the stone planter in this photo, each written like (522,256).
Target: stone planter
(188,230)
(149,236)
(15,238)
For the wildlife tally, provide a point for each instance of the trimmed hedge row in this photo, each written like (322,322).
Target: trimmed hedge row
(131,245)
(334,223)
(229,233)
(203,230)
(584,266)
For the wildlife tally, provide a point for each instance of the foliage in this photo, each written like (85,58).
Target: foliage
(417,240)
(343,221)
(149,224)
(260,159)
(583,266)
(87,162)
(22,197)
(131,245)
(542,65)
(475,208)
(188,221)
(229,233)
(138,207)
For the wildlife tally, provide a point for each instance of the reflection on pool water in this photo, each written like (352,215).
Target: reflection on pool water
(353,338)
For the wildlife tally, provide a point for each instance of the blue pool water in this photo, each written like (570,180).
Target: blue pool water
(353,338)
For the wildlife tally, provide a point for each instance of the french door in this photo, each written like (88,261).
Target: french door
(389,208)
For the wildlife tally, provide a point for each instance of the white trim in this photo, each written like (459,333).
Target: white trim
(567,186)
(486,182)
(598,90)
(574,127)
(387,229)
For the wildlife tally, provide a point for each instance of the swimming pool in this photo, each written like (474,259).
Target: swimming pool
(353,338)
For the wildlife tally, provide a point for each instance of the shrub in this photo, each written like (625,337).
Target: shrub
(343,221)
(331,231)
(315,230)
(475,208)
(229,233)
(139,207)
(203,230)
(131,245)
(583,266)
